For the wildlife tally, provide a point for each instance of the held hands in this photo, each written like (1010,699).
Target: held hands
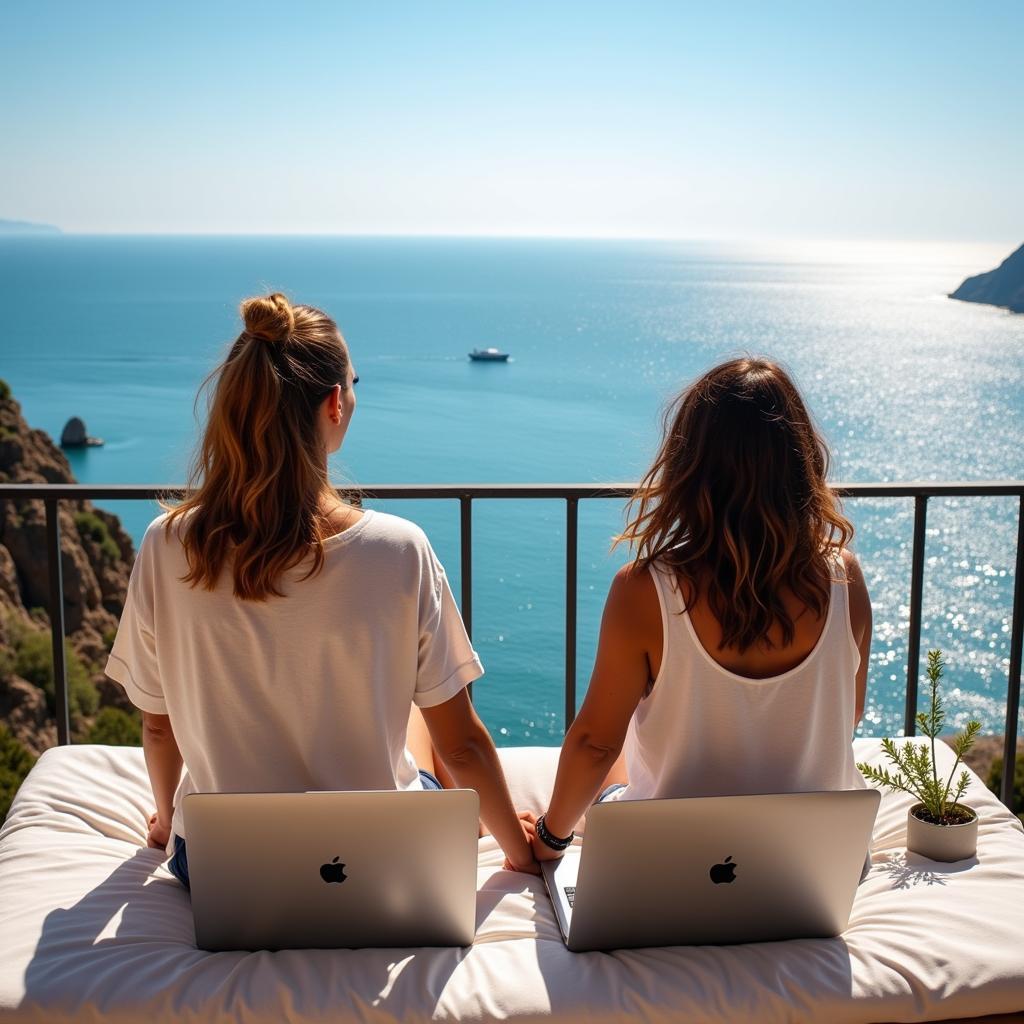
(541,850)
(525,862)
(159,834)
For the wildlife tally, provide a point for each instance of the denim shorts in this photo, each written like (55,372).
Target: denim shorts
(178,864)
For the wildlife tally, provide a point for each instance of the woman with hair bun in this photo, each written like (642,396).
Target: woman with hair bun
(734,650)
(277,639)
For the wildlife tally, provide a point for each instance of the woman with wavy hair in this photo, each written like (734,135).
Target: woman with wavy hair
(279,639)
(733,651)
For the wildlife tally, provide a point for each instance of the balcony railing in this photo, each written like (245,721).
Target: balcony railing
(572,494)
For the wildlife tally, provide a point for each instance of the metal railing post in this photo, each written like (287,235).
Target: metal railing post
(916,590)
(1013,687)
(56,609)
(571,548)
(466,565)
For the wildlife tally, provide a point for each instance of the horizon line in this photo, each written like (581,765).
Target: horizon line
(504,236)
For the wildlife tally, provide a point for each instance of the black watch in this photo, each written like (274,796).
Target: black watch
(553,841)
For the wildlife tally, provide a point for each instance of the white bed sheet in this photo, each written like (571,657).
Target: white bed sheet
(93,927)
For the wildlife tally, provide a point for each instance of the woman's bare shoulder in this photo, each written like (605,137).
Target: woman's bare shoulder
(860,600)
(633,592)
(854,573)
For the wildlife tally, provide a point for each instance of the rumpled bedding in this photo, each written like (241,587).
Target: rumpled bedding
(94,928)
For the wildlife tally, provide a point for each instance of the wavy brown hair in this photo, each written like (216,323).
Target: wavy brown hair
(736,503)
(260,474)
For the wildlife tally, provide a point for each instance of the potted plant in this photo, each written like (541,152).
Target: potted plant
(938,825)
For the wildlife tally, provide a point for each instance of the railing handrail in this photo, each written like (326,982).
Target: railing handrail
(874,489)
(572,494)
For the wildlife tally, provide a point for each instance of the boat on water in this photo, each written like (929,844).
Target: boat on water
(488,355)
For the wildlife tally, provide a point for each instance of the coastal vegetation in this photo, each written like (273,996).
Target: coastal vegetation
(33,661)
(116,727)
(15,763)
(995,782)
(90,525)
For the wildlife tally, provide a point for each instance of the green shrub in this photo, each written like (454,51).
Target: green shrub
(90,525)
(995,782)
(33,660)
(116,727)
(15,762)
(5,391)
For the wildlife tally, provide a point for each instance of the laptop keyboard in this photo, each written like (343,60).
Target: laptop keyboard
(570,895)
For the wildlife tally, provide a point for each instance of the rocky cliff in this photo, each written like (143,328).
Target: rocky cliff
(1003,286)
(96,558)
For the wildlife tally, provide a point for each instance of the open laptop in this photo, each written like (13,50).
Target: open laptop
(713,870)
(328,870)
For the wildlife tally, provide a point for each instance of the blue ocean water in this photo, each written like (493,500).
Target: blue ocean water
(906,384)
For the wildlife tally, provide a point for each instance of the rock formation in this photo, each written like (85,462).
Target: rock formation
(96,559)
(74,435)
(1003,286)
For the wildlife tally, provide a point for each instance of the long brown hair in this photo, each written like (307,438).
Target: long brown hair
(259,475)
(736,503)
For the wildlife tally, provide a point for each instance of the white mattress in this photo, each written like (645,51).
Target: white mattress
(92,927)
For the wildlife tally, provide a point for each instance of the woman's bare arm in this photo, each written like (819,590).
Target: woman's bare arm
(163,761)
(860,621)
(465,746)
(630,628)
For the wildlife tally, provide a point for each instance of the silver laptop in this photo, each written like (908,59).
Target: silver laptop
(328,870)
(713,870)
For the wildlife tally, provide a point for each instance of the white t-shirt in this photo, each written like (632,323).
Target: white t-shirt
(310,691)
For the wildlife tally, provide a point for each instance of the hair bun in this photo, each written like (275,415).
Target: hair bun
(268,317)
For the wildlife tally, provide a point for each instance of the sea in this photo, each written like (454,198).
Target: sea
(905,383)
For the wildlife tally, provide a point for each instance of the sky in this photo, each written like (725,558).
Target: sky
(819,120)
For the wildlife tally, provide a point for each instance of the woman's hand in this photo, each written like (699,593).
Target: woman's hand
(525,860)
(529,820)
(159,833)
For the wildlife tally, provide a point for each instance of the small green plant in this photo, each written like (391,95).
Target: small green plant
(115,727)
(15,762)
(90,525)
(916,771)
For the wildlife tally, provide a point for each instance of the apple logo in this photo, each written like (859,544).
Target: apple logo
(725,872)
(333,872)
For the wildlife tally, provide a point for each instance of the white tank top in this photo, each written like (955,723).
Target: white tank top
(706,731)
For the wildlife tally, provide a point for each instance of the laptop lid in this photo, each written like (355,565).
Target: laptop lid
(328,870)
(714,870)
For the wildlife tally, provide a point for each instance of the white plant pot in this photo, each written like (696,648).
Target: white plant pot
(942,842)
